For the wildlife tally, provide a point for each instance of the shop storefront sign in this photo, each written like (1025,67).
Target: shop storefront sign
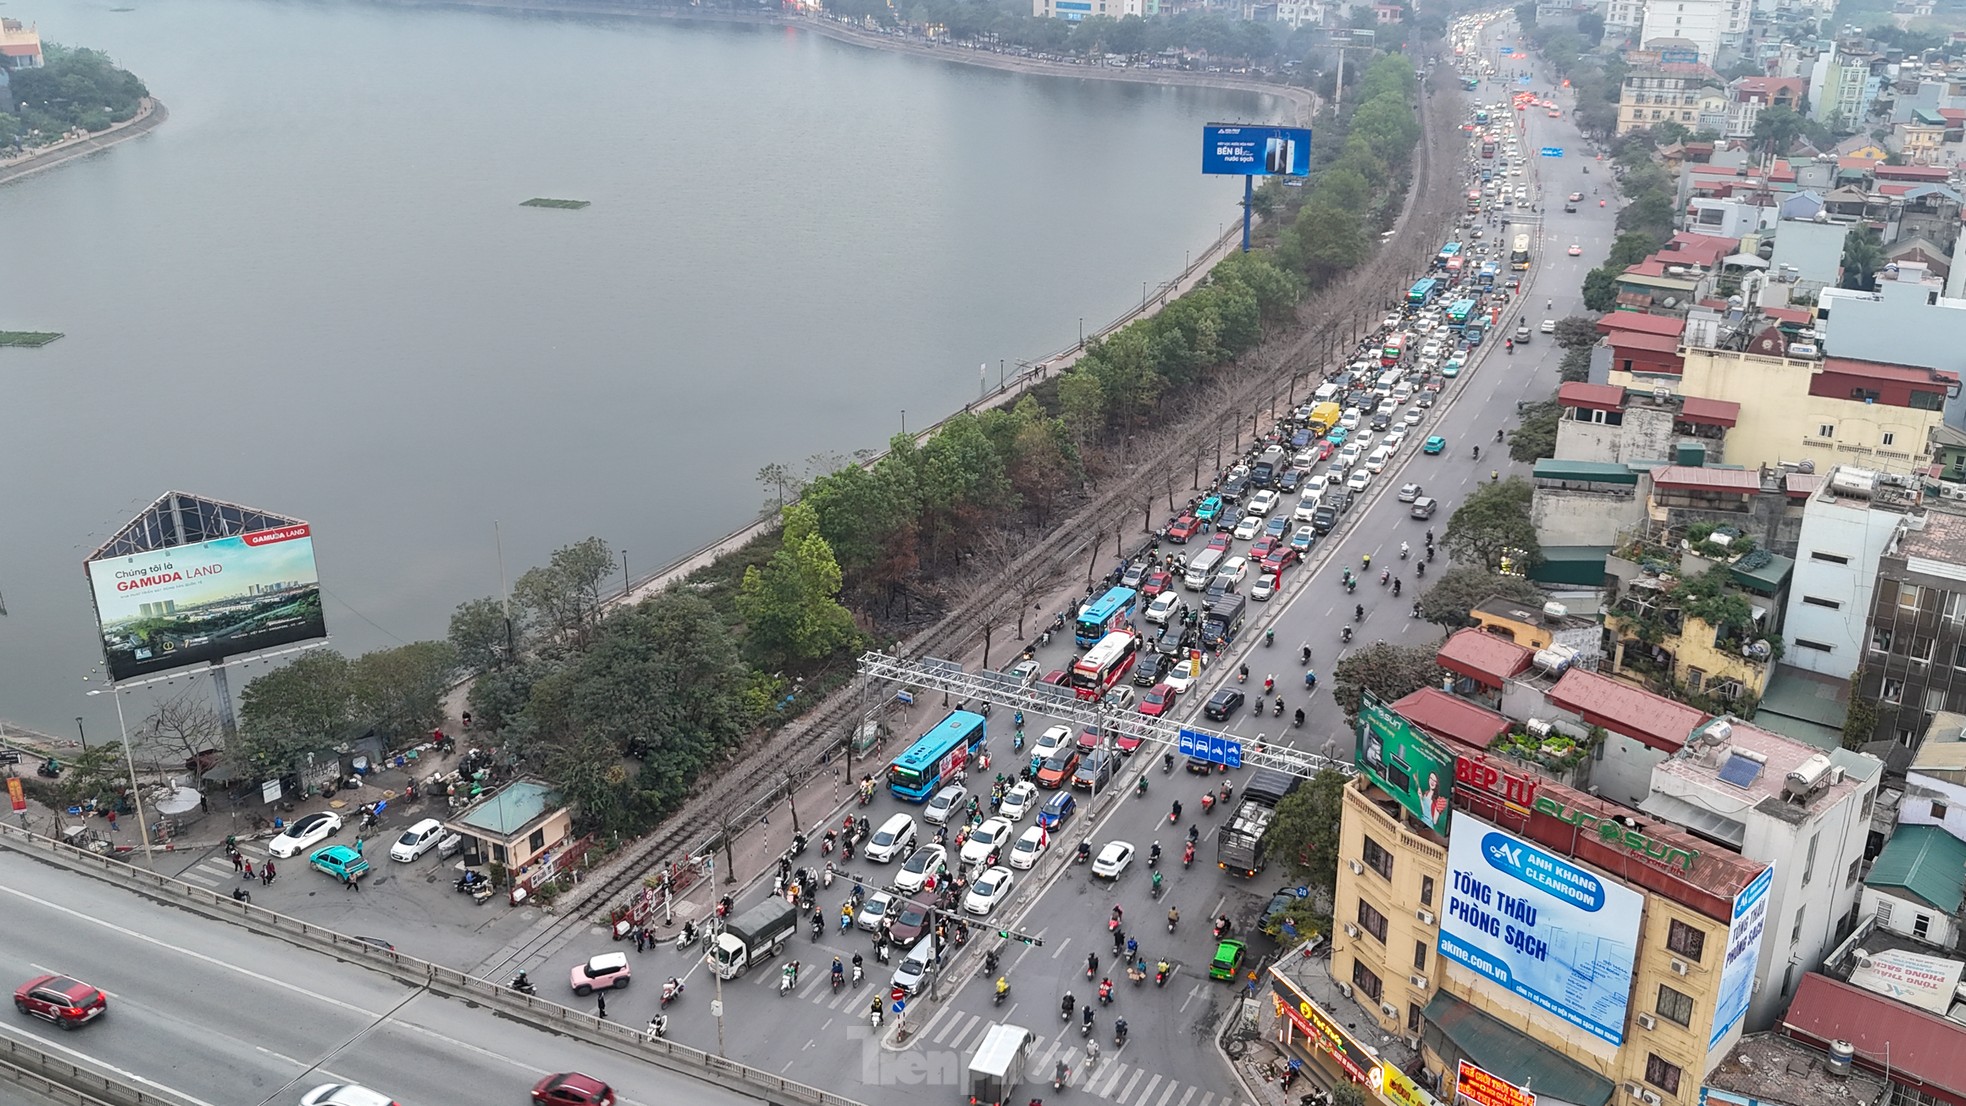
(1481,1087)
(1616,834)
(1322,1031)
(1393,1086)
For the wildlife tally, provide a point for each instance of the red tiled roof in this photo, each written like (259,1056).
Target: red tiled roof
(1451,716)
(1649,343)
(1801,485)
(27,51)
(1649,324)
(1938,173)
(1710,412)
(1913,374)
(1621,708)
(1953,115)
(1895,189)
(1856,163)
(1914,1046)
(1715,171)
(1799,315)
(1597,397)
(1480,655)
(1692,476)
(1708,248)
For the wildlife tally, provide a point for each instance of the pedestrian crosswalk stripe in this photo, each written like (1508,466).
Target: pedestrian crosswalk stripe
(1112,1080)
(1169,1093)
(1151,1084)
(1189,1097)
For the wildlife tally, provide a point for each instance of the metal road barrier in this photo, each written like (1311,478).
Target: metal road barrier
(81,1084)
(69,1084)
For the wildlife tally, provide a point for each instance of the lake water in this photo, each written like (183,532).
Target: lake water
(313,290)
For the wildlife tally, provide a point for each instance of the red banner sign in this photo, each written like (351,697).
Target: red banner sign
(15,793)
(1485,1088)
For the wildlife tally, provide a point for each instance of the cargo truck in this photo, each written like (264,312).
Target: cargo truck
(998,1066)
(753,936)
(1239,847)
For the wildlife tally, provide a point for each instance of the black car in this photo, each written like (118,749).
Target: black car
(1223,703)
(1324,518)
(1233,489)
(1096,770)
(1290,479)
(1199,766)
(1338,499)
(1173,637)
(1381,422)
(1150,668)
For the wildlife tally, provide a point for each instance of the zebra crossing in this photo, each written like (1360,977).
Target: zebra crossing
(950,1028)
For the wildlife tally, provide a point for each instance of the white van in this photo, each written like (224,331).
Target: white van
(894,836)
(1307,503)
(1376,463)
(1202,569)
(1325,393)
(1387,381)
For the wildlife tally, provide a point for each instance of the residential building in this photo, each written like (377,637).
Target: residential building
(522,827)
(1848,522)
(1841,87)
(1768,1069)
(1749,95)
(1666,92)
(1701,22)
(1920,1054)
(1935,780)
(1623,18)
(1804,812)
(1917,886)
(20,45)
(1908,320)
(1916,664)
(1808,258)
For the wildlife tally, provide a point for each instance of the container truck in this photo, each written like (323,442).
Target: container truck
(755,935)
(998,1066)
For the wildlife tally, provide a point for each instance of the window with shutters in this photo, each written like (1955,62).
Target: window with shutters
(1661,1074)
(1367,983)
(1686,940)
(1371,921)
(1674,1006)
(1377,858)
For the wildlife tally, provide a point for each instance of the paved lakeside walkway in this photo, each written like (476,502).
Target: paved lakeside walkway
(148,116)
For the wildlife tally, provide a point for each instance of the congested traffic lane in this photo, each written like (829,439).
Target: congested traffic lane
(217,1014)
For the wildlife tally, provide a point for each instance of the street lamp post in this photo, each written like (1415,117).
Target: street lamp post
(79,733)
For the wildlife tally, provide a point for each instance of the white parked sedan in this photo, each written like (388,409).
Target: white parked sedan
(1020,800)
(417,840)
(1112,859)
(985,839)
(304,833)
(874,910)
(923,863)
(990,888)
(1029,847)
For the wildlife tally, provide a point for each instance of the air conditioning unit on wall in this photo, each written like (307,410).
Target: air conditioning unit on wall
(1426,916)
(1389,1009)
(1351,930)
(1357,868)
(1648,1098)
(1647,1021)
(1679,967)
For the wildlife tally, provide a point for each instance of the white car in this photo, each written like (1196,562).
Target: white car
(888,842)
(1050,741)
(1029,847)
(990,888)
(916,966)
(1120,698)
(1431,351)
(874,910)
(1163,608)
(1184,673)
(1347,457)
(1414,417)
(344,1094)
(1264,587)
(1350,419)
(1548,327)
(1359,481)
(985,839)
(946,804)
(1249,527)
(417,840)
(305,832)
(1263,502)
(1394,438)
(1020,800)
(1410,492)
(922,863)
(1113,858)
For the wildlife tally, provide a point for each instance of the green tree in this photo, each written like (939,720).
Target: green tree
(1777,128)
(1590,26)
(1651,212)
(1534,437)
(1457,591)
(1575,367)
(791,608)
(401,691)
(1576,332)
(1863,257)
(1082,403)
(1601,288)
(1347,1093)
(1388,671)
(306,704)
(1304,832)
(1860,717)
(480,636)
(1494,523)
(563,597)
(1525,15)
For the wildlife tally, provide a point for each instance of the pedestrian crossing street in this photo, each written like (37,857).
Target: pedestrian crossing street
(1112,1078)
(216,873)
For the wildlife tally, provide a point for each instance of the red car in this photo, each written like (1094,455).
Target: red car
(1262,549)
(61,1000)
(1158,700)
(1057,677)
(1219,541)
(1157,581)
(1324,449)
(570,1088)
(1185,527)
(1279,559)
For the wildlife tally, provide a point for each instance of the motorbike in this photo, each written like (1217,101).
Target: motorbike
(1405,551)
(1059,1076)
(724,907)
(1297,720)
(785,981)
(1187,854)
(1385,576)
(818,927)
(1351,586)
(1166,763)
(1119,1034)
(1173,917)
(686,937)
(1065,1009)
(469,881)
(826,843)
(1160,974)
(1395,589)
(1141,787)
(1345,634)
(522,984)
(1221,927)
(1106,993)
(671,991)
(1085,852)
(1207,804)
(1279,706)
(826,877)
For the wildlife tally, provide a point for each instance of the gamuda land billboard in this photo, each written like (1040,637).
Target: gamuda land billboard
(189,604)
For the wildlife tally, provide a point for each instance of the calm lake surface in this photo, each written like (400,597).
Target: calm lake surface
(313,290)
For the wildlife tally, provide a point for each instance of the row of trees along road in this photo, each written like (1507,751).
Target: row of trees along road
(626,711)
(71,88)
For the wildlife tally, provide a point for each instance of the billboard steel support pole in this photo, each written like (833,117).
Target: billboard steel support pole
(136,789)
(1248,202)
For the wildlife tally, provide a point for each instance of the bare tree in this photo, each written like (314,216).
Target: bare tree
(179,728)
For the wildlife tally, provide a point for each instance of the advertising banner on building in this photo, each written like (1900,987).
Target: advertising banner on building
(1540,926)
(1233,150)
(204,602)
(1927,982)
(1743,949)
(1319,1029)
(1408,765)
(1484,1088)
(1393,1085)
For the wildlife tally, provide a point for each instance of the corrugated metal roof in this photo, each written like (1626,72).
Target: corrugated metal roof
(1913,1046)
(1451,716)
(1480,655)
(1598,397)
(1523,1061)
(1632,711)
(1926,862)
(1687,476)
(1596,472)
(1712,412)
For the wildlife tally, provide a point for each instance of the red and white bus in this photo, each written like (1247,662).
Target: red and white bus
(1106,664)
(1394,349)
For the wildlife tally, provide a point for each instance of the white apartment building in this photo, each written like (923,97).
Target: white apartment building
(1622,17)
(1847,525)
(1910,317)
(1701,22)
(1774,799)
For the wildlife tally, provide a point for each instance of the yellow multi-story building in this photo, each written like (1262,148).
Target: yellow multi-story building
(1550,942)
(1832,411)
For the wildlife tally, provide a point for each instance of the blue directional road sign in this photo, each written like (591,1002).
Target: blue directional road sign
(1213,748)
(899,1006)
(1552,151)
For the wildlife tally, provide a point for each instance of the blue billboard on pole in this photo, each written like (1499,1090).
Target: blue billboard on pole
(1233,150)
(1537,925)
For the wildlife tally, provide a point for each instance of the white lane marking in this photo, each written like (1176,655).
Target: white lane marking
(211,960)
(86,1061)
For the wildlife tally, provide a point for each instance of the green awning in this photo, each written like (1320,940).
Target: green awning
(1767,573)
(1521,1060)
(1585,472)
(1579,565)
